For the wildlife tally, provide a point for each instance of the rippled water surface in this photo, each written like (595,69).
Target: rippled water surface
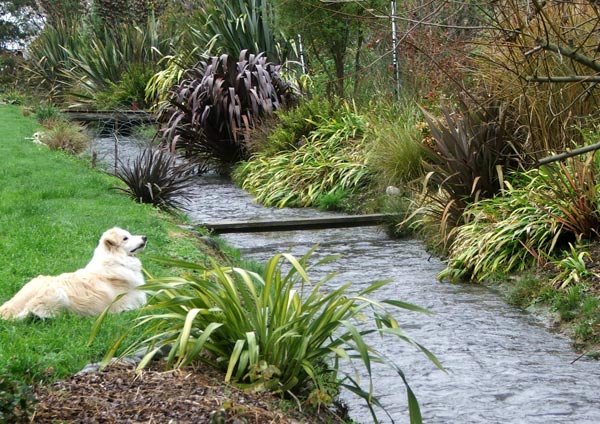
(503,365)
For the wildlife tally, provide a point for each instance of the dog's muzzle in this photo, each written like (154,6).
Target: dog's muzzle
(141,245)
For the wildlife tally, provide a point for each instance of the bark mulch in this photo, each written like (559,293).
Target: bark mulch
(118,394)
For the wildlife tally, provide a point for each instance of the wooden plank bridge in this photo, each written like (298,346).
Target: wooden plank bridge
(299,224)
(121,116)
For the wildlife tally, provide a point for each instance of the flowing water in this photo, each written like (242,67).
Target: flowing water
(502,364)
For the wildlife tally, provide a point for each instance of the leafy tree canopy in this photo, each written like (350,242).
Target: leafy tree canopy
(19,21)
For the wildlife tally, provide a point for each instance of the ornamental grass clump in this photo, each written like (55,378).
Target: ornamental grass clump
(330,160)
(396,153)
(67,136)
(273,330)
(541,213)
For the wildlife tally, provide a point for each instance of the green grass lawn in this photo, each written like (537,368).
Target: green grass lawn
(53,209)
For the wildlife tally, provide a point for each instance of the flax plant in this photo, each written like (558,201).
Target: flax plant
(469,152)
(211,112)
(109,55)
(157,177)
(242,25)
(274,330)
(48,56)
(71,59)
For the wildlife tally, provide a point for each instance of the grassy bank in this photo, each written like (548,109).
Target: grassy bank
(53,209)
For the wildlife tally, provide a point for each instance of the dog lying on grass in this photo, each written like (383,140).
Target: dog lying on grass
(113,271)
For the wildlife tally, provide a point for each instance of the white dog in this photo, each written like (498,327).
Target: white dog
(113,271)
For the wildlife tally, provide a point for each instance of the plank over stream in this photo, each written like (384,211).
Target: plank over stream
(341,221)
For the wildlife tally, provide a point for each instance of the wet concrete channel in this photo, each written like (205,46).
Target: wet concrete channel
(503,365)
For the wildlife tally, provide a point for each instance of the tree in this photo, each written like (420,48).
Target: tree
(114,12)
(19,21)
(57,11)
(541,57)
(328,30)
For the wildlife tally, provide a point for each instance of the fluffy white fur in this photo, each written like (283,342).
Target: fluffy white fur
(112,271)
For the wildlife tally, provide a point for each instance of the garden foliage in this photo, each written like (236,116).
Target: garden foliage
(330,159)
(539,213)
(157,177)
(274,330)
(212,110)
(470,152)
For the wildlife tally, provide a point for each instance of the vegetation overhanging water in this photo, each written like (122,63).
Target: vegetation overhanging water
(503,364)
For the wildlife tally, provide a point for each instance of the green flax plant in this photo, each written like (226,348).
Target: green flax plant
(48,56)
(102,59)
(545,210)
(241,25)
(219,28)
(331,159)
(74,60)
(273,330)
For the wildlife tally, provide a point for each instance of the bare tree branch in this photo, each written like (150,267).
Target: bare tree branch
(571,53)
(567,79)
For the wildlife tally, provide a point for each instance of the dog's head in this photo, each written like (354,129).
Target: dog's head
(118,240)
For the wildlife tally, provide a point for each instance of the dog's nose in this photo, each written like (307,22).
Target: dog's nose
(144,238)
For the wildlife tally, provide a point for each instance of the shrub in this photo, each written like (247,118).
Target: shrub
(330,160)
(129,92)
(466,162)
(72,60)
(396,153)
(48,56)
(293,126)
(10,68)
(12,97)
(540,69)
(274,330)
(156,177)
(238,25)
(217,103)
(546,209)
(573,267)
(66,136)
(16,399)
(47,113)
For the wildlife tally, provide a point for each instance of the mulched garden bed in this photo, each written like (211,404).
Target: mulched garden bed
(118,394)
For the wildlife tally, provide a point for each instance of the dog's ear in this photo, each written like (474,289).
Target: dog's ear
(111,240)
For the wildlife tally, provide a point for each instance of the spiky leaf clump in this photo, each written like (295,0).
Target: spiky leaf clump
(272,330)
(156,177)
(470,153)
(212,110)
(544,211)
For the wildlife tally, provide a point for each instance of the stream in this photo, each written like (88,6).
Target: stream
(502,364)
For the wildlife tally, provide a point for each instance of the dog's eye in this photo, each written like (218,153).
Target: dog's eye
(125,238)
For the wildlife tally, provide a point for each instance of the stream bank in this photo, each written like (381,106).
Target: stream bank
(503,364)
